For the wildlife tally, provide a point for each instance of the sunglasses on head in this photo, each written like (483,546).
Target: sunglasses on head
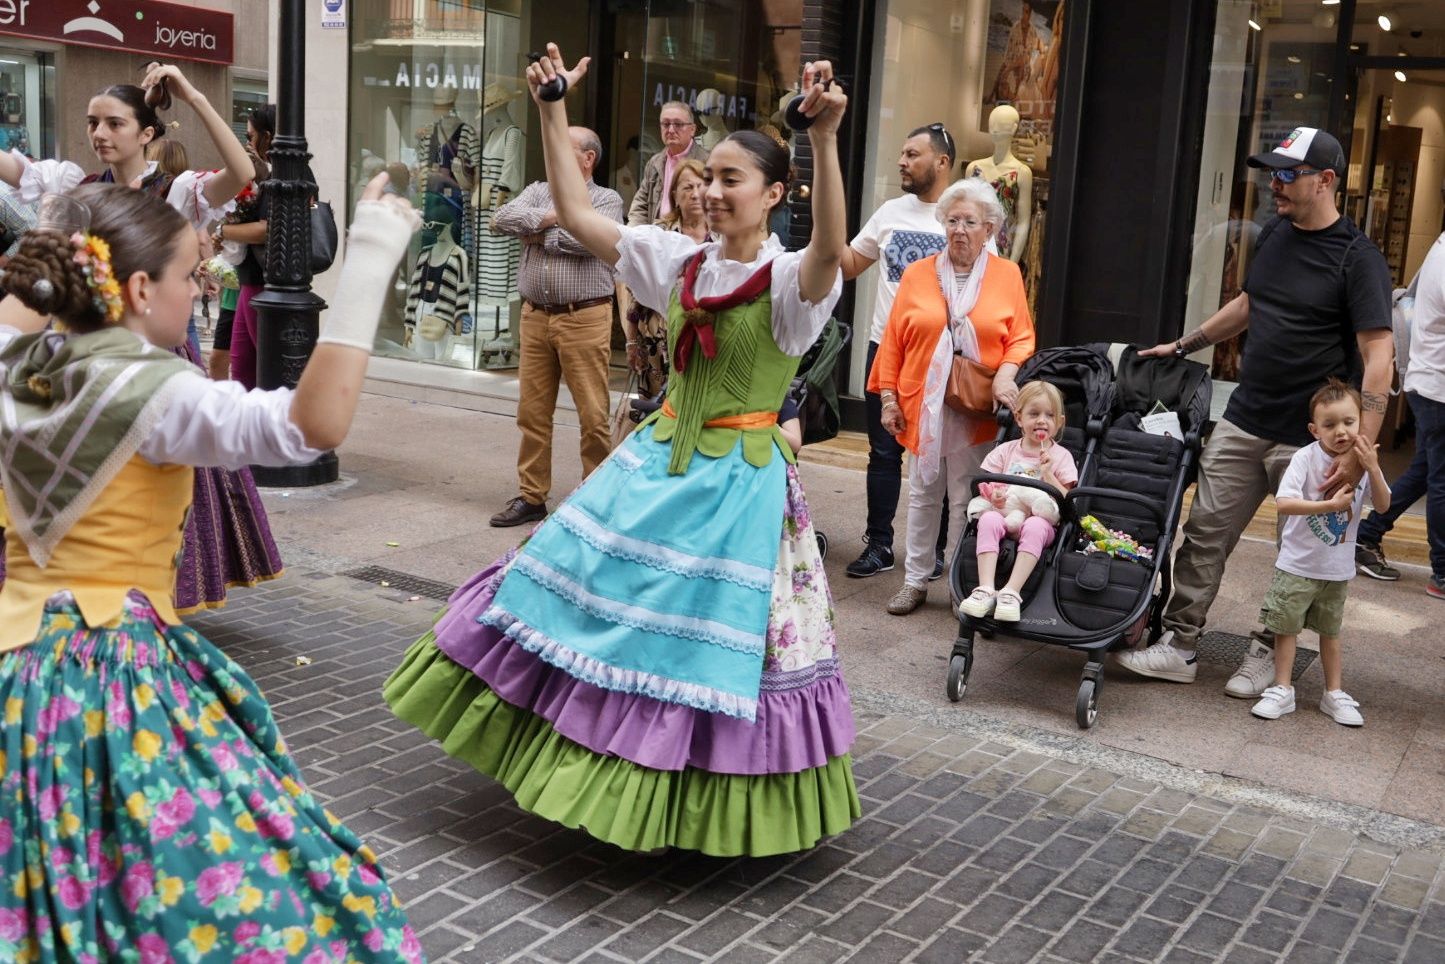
(947,138)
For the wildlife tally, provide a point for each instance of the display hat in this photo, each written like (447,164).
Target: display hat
(497,94)
(1304,145)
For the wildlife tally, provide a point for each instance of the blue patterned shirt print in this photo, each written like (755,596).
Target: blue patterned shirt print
(905,247)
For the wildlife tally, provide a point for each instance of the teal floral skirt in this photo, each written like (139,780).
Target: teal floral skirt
(149,812)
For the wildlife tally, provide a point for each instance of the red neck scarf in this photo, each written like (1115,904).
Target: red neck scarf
(701,313)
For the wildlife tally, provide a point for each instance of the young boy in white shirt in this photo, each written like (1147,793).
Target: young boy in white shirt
(1316,551)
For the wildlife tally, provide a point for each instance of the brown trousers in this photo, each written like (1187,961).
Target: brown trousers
(575,346)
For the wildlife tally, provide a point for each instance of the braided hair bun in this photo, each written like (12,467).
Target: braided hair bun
(44,276)
(142,231)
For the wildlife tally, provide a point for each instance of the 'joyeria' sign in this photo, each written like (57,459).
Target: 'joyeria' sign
(166,30)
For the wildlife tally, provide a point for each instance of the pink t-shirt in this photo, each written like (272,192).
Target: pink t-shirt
(1010,458)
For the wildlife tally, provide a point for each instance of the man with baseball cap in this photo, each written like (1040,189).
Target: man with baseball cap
(1316,303)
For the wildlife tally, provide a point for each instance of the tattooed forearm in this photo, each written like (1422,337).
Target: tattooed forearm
(1374,402)
(1194,341)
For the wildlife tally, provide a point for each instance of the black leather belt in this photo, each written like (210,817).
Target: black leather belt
(569,307)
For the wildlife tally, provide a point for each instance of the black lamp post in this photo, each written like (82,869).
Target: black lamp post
(288,312)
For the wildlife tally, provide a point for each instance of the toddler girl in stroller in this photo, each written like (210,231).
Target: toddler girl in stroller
(1034,455)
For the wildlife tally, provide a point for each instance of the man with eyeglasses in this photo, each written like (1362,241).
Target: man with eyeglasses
(902,230)
(566,331)
(1316,304)
(653,197)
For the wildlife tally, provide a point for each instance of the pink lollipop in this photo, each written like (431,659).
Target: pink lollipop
(1042,434)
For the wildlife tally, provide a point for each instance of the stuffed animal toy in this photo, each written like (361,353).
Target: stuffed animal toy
(1017,503)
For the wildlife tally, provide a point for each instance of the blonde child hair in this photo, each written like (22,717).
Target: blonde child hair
(1032,391)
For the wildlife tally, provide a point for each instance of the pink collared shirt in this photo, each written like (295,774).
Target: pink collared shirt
(669,167)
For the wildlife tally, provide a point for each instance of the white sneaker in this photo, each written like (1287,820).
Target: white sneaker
(1255,673)
(1342,708)
(1008,608)
(1161,661)
(1276,702)
(979,603)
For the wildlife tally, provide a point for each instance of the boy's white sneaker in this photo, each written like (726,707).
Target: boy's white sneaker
(1276,702)
(1254,673)
(1342,708)
(1161,661)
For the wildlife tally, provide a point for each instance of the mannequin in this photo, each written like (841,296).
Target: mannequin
(500,176)
(1011,178)
(710,106)
(438,293)
(447,148)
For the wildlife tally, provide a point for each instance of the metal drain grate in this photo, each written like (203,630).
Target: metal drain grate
(1229,649)
(402,582)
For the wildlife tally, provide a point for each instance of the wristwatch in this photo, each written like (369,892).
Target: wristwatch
(1179,351)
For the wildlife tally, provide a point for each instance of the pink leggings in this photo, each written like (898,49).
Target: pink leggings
(1037,534)
(243,338)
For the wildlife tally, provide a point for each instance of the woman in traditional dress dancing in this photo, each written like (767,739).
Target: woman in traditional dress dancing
(657,663)
(148,808)
(228,541)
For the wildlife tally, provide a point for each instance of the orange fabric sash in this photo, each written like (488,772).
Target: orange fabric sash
(744,421)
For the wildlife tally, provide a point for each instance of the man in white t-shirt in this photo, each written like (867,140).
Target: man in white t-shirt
(1425,392)
(902,230)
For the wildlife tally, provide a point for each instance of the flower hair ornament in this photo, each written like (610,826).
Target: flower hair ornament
(93,255)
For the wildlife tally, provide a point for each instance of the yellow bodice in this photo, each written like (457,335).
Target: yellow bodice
(129,538)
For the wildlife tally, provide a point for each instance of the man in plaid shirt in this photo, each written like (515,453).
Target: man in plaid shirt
(566,331)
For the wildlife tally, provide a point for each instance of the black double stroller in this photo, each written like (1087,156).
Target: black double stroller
(1129,480)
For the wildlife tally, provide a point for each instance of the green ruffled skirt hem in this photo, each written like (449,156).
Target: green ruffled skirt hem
(613,799)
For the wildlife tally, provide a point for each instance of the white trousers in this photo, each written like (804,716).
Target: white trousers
(958,463)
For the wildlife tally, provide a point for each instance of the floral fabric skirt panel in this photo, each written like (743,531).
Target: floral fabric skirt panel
(656,664)
(149,812)
(228,540)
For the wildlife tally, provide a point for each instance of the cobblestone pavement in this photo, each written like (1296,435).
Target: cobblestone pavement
(972,846)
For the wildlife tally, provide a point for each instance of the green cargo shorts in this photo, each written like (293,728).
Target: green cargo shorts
(1295,602)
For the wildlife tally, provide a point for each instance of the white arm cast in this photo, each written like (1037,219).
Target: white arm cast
(378,238)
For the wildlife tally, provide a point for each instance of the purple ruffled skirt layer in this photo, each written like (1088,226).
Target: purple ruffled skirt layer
(228,540)
(803,718)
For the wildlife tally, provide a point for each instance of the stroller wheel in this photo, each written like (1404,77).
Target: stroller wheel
(1086,708)
(959,668)
(822,544)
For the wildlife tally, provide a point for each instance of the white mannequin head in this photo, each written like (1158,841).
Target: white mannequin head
(1003,122)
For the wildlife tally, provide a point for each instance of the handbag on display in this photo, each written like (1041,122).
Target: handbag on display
(323,236)
(970,387)
(430,326)
(623,424)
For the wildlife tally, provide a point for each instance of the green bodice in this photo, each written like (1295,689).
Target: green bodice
(749,374)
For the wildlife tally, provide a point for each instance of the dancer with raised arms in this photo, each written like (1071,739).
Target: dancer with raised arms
(657,663)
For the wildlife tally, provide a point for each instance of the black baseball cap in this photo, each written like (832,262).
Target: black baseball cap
(1304,145)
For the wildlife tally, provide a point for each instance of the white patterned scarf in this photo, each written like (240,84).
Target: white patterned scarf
(958,336)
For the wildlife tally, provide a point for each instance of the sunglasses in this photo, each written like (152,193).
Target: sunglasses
(947,138)
(436,225)
(1288,175)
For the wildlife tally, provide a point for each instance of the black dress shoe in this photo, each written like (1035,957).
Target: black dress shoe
(875,559)
(519,512)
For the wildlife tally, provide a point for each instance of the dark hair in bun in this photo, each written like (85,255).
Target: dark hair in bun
(141,229)
(770,157)
(135,98)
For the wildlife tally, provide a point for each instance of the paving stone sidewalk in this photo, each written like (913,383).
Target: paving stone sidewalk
(969,848)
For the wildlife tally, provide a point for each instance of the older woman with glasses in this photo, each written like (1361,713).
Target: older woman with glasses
(968,301)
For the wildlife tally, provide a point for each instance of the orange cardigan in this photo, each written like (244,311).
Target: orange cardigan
(1000,318)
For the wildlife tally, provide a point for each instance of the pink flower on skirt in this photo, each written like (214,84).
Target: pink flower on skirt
(209,797)
(224,758)
(137,885)
(246,931)
(51,799)
(372,939)
(74,893)
(7,837)
(262,956)
(179,809)
(318,879)
(153,949)
(410,946)
(278,826)
(218,881)
(367,874)
(11,925)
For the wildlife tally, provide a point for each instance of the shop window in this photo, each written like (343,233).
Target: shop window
(438,100)
(989,71)
(1272,71)
(27,103)
(246,96)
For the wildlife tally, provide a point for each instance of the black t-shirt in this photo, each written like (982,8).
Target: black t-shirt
(1309,293)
